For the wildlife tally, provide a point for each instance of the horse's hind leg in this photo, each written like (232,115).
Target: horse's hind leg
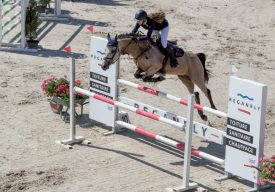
(207,93)
(198,101)
(190,86)
(209,96)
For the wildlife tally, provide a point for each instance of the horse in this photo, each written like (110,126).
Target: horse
(149,60)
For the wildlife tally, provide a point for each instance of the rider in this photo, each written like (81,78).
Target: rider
(150,24)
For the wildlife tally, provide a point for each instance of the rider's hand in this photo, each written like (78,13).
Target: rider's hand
(142,38)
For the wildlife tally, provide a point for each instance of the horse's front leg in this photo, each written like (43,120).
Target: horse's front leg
(138,73)
(150,72)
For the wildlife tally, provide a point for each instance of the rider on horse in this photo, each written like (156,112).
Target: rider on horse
(151,24)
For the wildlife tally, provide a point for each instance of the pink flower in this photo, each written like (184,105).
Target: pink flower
(60,87)
(78,82)
(54,94)
(60,94)
(80,94)
(262,182)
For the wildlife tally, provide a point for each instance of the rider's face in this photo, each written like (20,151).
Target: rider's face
(140,22)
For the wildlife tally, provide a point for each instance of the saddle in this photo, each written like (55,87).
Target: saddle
(172,44)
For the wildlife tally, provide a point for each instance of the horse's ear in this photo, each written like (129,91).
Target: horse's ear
(116,38)
(109,37)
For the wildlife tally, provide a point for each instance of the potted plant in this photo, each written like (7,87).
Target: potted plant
(42,5)
(58,91)
(32,24)
(267,170)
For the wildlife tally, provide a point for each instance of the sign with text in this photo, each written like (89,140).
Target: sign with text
(201,130)
(245,127)
(102,83)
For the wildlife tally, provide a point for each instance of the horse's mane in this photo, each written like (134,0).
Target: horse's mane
(127,35)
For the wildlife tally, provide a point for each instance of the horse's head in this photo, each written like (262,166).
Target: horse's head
(113,53)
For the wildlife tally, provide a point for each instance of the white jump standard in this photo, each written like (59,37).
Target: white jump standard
(14,18)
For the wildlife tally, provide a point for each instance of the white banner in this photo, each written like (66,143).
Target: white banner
(201,130)
(103,83)
(245,127)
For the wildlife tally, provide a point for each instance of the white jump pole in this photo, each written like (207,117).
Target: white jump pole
(170,97)
(178,145)
(130,108)
(73,139)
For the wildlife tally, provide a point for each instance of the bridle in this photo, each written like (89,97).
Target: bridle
(123,52)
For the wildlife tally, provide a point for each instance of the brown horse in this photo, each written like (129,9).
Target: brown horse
(149,60)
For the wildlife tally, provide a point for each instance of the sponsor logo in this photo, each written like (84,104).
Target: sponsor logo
(96,57)
(99,56)
(245,103)
(245,97)
(244,111)
(101,52)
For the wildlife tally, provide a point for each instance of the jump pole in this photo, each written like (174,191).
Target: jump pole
(149,115)
(170,97)
(178,145)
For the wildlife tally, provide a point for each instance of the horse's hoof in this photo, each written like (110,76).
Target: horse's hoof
(160,78)
(138,76)
(146,79)
(204,117)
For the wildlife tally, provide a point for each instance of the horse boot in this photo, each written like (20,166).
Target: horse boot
(174,62)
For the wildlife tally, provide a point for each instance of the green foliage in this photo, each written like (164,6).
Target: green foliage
(32,20)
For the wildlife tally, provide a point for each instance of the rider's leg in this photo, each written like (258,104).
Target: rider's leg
(174,62)
(164,36)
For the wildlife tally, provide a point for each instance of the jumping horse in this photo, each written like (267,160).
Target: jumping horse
(150,60)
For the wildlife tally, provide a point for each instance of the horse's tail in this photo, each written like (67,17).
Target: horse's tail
(202,58)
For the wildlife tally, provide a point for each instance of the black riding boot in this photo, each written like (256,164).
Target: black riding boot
(174,62)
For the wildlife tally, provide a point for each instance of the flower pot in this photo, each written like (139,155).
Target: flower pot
(32,44)
(56,108)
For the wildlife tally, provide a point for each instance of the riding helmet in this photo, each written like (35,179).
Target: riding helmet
(140,14)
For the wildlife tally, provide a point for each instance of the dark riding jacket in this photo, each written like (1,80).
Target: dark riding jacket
(150,26)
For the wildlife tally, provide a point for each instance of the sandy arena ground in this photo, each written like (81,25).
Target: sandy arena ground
(233,34)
